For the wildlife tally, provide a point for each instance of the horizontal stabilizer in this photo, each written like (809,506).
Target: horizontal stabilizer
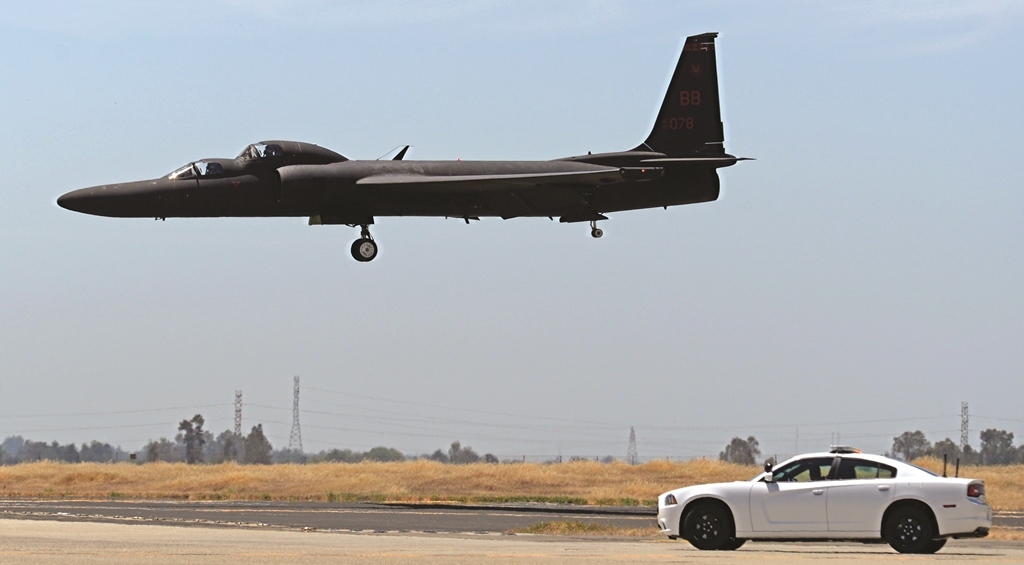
(722,161)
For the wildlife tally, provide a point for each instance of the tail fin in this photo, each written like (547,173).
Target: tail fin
(690,120)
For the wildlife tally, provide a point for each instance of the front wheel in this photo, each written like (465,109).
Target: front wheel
(364,250)
(909,530)
(709,526)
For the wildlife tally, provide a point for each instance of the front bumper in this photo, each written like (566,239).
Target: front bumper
(668,520)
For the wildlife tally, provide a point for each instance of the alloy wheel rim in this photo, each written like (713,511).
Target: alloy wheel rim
(909,529)
(707,526)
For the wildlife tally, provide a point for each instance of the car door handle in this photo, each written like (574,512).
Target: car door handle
(883,487)
(818,491)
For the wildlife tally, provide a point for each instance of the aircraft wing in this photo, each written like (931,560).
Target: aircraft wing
(495,181)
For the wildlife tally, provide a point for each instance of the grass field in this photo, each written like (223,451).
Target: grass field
(412,481)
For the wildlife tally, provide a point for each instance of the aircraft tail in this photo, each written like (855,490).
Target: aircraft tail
(690,120)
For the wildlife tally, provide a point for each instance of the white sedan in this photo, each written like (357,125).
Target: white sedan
(840,495)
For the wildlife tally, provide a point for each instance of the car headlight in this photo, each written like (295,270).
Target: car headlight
(670,499)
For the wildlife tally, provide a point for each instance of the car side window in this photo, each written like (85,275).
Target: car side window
(851,469)
(806,470)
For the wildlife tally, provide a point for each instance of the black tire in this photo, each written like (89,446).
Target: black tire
(734,544)
(709,526)
(364,250)
(935,545)
(909,530)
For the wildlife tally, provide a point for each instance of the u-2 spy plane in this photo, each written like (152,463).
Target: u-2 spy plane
(677,164)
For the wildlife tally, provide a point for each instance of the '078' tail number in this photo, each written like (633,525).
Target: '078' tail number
(677,123)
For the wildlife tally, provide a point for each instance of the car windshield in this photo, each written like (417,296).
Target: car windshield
(260,151)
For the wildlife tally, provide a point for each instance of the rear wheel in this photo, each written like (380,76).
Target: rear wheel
(709,526)
(734,544)
(909,530)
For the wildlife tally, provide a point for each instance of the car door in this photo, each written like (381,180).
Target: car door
(794,503)
(858,497)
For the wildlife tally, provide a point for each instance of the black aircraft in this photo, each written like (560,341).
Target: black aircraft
(677,164)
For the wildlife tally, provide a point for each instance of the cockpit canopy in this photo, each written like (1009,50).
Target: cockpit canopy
(269,154)
(260,151)
(197,169)
(290,153)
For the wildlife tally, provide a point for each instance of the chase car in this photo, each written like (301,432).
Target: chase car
(838,495)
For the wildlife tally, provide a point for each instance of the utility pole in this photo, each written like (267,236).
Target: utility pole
(964,425)
(238,413)
(295,440)
(631,455)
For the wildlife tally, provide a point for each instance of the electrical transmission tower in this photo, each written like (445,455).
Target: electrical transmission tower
(238,413)
(295,440)
(631,456)
(963,426)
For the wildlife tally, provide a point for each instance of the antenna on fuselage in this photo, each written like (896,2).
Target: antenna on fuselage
(399,156)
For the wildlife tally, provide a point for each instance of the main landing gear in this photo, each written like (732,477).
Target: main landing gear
(364,249)
(595,231)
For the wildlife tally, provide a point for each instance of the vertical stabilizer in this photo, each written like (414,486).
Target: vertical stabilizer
(690,120)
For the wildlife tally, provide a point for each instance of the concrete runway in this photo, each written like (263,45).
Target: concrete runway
(32,542)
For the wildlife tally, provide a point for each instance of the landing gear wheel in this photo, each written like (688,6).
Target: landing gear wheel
(364,250)
(909,530)
(596,232)
(709,526)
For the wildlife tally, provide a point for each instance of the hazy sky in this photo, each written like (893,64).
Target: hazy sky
(862,277)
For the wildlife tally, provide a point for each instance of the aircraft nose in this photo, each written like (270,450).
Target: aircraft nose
(75,200)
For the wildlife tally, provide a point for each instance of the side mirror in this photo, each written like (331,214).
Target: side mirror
(768,472)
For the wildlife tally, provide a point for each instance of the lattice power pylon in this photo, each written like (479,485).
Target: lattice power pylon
(295,439)
(631,455)
(964,425)
(238,412)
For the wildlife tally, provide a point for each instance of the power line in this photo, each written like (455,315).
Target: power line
(110,413)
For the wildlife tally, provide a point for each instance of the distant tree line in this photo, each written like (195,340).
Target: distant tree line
(16,449)
(195,445)
(996,448)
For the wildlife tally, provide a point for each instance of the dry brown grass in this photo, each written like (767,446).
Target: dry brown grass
(411,481)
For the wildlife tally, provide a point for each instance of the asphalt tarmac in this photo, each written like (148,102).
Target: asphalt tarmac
(35,542)
(346,517)
(87,532)
(349,517)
